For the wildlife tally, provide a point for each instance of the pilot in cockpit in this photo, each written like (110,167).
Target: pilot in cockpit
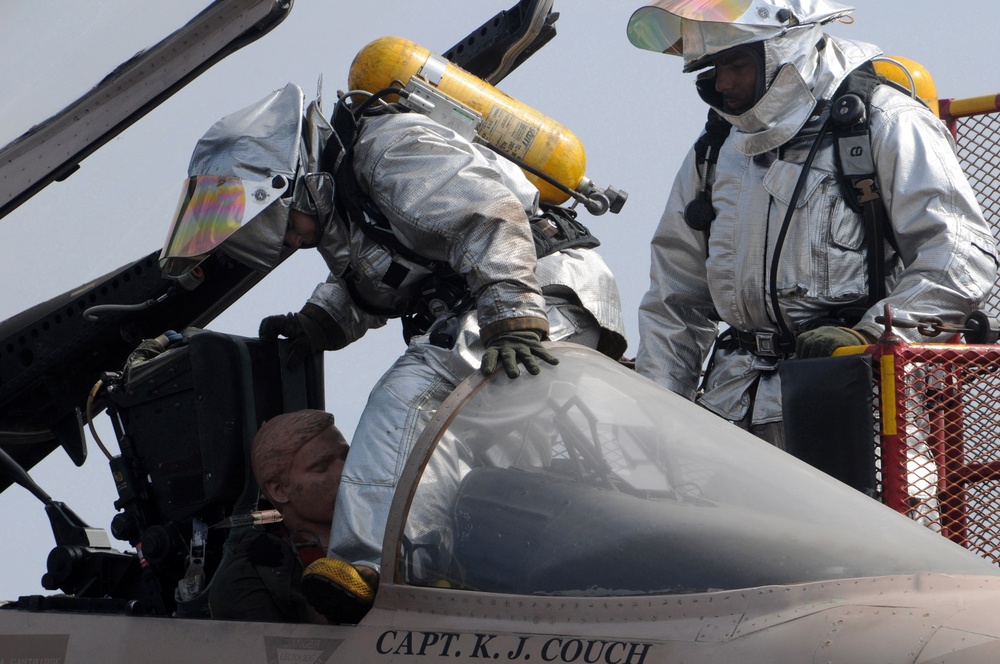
(297,459)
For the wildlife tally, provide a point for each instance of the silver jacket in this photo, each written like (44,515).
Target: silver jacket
(945,267)
(458,204)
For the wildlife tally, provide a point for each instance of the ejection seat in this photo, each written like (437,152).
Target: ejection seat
(185,419)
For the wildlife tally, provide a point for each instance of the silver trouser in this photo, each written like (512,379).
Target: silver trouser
(400,405)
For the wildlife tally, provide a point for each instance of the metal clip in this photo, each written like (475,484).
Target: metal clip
(194,578)
(765,344)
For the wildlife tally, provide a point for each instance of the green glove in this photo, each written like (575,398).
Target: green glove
(311,331)
(513,347)
(822,341)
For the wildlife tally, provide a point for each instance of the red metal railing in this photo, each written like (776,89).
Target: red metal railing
(939,437)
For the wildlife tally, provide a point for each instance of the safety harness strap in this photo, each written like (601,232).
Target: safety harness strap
(850,115)
(699,213)
(353,205)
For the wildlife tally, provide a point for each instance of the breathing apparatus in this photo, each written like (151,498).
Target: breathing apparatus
(553,159)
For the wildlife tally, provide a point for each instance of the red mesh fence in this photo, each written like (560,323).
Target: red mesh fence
(940,438)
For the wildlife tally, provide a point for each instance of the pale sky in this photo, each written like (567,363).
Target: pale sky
(634,111)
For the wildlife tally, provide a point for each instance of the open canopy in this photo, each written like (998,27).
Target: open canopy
(110,79)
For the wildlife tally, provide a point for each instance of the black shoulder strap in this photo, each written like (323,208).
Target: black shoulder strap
(850,115)
(353,205)
(710,142)
(556,228)
(699,213)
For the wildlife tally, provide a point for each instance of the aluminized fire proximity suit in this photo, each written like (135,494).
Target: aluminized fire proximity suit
(945,264)
(462,204)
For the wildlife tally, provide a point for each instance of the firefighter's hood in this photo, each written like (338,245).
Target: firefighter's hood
(248,170)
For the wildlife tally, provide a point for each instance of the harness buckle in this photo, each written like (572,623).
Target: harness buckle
(766,345)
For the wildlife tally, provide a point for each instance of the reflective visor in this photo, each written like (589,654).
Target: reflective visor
(657,26)
(211,209)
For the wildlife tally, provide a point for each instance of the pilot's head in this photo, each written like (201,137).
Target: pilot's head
(297,459)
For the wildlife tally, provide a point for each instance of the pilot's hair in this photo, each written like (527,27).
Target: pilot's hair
(279,438)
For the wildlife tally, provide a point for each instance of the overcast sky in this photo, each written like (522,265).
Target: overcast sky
(634,111)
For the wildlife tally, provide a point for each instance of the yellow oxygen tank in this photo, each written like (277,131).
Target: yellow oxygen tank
(508,124)
(912,76)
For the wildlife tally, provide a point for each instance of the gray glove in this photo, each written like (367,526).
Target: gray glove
(822,341)
(311,331)
(513,347)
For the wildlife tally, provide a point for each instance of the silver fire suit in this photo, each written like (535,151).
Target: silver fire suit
(945,265)
(465,206)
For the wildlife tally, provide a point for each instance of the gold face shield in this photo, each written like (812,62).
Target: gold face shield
(212,208)
(657,26)
(696,29)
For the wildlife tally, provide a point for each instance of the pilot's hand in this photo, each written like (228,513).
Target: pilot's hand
(513,347)
(311,331)
(822,341)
